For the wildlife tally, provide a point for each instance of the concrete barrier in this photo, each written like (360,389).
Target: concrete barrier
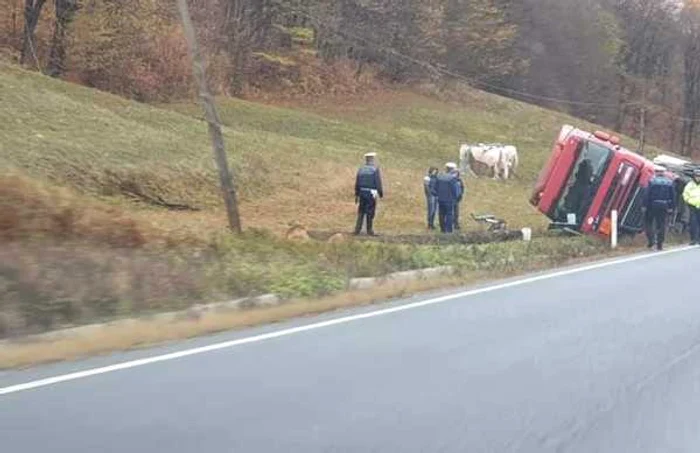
(195,312)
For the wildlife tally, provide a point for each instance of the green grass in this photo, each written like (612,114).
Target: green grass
(91,252)
(291,164)
(48,285)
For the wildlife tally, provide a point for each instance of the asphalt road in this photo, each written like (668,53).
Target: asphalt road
(606,360)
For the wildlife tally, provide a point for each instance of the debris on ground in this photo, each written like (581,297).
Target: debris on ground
(467,237)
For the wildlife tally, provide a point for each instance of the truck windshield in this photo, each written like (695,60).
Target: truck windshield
(583,183)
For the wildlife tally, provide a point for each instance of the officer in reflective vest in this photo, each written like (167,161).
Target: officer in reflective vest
(659,202)
(368,186)
(691,195)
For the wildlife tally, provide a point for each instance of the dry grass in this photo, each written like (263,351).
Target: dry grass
(46,285)
(30,209)
(144,333)
(69,260)
(293,164)
(82,239)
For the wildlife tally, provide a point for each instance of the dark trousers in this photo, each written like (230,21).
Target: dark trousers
(456,216)
(656,225)
(694,225)
(366,208)
(431,202)
(446,216)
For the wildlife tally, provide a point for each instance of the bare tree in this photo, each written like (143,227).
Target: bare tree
(246,25)
(646,56)
(32,12)
(691,66)
(65,12)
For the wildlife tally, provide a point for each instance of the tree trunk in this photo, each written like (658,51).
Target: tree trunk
(65,12)
(622,107)
(687,134)
(239,63)
(32,12)
(691,74)
(643,118)
(691,104)
(360,67)
(247,23)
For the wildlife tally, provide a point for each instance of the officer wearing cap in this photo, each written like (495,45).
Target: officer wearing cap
(447,190)
(368,186)
(660,201)
(691,195)
(455,213)
(430,200)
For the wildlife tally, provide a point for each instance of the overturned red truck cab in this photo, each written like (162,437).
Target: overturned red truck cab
(589,175)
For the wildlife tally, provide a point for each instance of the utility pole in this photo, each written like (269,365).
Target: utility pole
(225,177)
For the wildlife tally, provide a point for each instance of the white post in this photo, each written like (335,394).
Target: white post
(527,234)
(613,228)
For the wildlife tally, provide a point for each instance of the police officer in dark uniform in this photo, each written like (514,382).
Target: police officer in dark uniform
(459,199)
(368,186)
(659,202)
(430,200)
(447,190)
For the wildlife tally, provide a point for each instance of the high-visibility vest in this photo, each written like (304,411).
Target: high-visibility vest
(691,194)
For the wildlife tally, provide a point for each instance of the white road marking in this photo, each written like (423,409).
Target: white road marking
(346,319)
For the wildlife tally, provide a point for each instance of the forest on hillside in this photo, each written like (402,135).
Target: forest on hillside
(631,65)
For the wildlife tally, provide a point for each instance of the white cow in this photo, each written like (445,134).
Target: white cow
(499,158)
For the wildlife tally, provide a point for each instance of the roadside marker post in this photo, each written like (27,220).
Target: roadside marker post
(613,228)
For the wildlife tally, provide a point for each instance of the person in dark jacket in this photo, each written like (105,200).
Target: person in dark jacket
(430,199)
(660,201)
(368,186)
(580,192)
(459,199)
(446,189)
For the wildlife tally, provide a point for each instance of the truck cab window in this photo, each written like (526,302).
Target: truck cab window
(583,183)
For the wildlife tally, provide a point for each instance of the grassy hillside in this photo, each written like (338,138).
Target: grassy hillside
(292,164)
(83,171)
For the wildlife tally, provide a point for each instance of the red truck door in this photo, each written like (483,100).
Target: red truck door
(616,196)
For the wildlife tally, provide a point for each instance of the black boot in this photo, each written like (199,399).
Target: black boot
(370,230)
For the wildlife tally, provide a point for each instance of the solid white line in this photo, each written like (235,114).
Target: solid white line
(319,325)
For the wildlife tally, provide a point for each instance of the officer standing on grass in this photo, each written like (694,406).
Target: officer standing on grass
(430,199)
(446,189)
(456,174)
(368,186)
(691,195)
(659,202)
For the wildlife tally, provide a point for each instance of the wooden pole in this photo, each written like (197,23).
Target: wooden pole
(225,177)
